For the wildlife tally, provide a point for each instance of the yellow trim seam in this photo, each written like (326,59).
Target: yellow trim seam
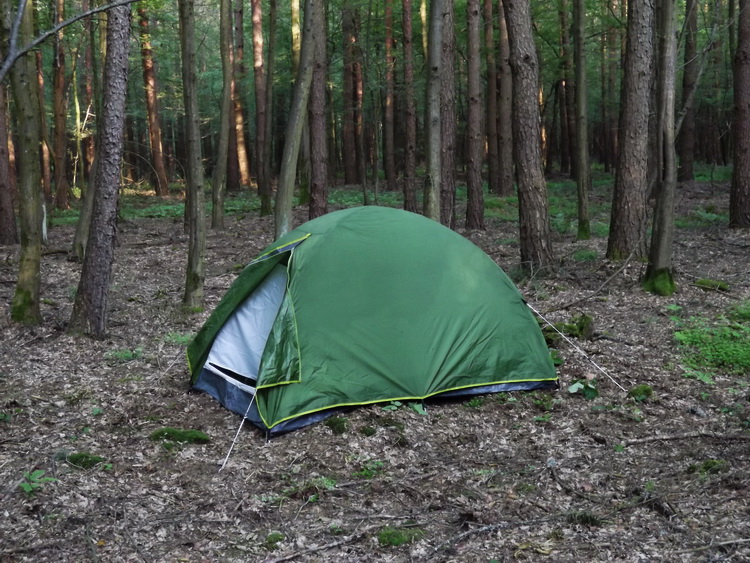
(276,248)
(397,399)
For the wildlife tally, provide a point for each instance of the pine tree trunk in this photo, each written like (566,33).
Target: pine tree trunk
(90,308)
(152,106)
(474,193)
(60,105)
(46,156)
(448,119)
(628,221)
(196,221)
(410,112)
(739,204)
(24,84)
(389,118)
(243,159)
(218,183)
(569,143)
(505,109)
(8,227)
(349,136)
(689,79)
(536,247)
(259,71)
(493,156)
(583,177)
(433,187)
(318,122)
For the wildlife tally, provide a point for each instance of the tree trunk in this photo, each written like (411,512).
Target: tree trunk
(295,121)
(161,183)
(628,221)
(659,278)
(196,221)
(318,122)
(388,124)
(60,105)
(259,71)
(689,80)
(218,183)
(24,83)
(448,120)
(350,104)
(569,87)
(8,227)
(265,201)
(474,193)
(243,160)
(433,187)
(505,108)
(90,308)
(739,203)
(493,156)
(536,247)
(46,156)
(583,178)
(410,112)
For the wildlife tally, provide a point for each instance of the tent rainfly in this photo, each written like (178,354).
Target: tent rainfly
(365,305)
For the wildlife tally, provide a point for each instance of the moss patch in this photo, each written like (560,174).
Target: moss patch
(84,460)
(660,282)
(178,435)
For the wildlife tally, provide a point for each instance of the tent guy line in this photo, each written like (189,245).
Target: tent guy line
(236,436)
(577,348)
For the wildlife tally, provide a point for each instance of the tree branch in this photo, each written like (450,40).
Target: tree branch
(15,53)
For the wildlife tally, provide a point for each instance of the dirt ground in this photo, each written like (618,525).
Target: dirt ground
(524,476)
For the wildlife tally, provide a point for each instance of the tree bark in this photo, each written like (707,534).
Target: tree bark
(90,308)
(243,160)
(569,86)
(349,130)
(46,155)
(295,122)
(60,105)
(265,200)
(448,119)
(259,71)
(318,122)
(24,84)
(219,181)
(628,221)
(8,227)
(161,183)
(493,156)
(659,278)
(388,122)
(583,177)
(410,111)
(739,203)
(689,80)
(536,247)
(474,193)
(196,221)
(433,187)
(505,108)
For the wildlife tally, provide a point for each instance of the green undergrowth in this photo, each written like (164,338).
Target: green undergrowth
(719,345)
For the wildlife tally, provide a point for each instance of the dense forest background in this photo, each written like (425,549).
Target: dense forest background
(286,99)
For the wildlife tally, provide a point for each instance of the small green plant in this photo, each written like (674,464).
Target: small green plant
(367,431)
(84,460)
(5,417)
(475,402)
(337,424)
(708,467)
(586,387)
(392,406)
(180,436)
(34,481)
(619,448)
(394,537)
(543,418)
(584,518)
(370,469)
(418,408)
(641,393)
(178,339)
(335,530)
(585,255)
(124,356)
(706,378)
(545,402)
(97,411)
(273,539)
(557,359)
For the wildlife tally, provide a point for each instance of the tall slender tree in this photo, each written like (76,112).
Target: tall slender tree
(317,121)
(504,107)
(474,193)
(583,169)
(490,113)
(627,229)
(90,308)
(686,139)
(226,119)
(739,201)
(535,243)
(8,227)
(389,140)
(410,111)
(433,123)
(196,221)
(243,160)
(448,134)
(60,104)
(259,72)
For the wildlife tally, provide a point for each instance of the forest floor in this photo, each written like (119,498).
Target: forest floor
(544,476)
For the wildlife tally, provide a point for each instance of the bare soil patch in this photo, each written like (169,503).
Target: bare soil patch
(522,476)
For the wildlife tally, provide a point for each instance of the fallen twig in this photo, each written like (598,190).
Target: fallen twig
(491,528)
(317,548)
(685,436)
(712,546)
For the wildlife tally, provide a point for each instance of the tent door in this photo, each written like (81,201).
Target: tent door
(237,350)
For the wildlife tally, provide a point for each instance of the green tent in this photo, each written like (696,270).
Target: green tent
(360,306)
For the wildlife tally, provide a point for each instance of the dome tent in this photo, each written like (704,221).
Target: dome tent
(365,305)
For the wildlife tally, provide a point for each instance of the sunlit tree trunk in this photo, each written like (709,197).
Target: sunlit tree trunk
(196,221)
(8,227)
(739,203)
(628,220)
(433,122)
(259,71)
(493,157)
(25,85)
(474,193)
(536,247)
(317,121)
(243,160)
(504,107)
(90,308)
(410,111)
(152,105)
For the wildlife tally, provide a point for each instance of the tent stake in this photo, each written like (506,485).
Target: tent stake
(576,348)
(237,435)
